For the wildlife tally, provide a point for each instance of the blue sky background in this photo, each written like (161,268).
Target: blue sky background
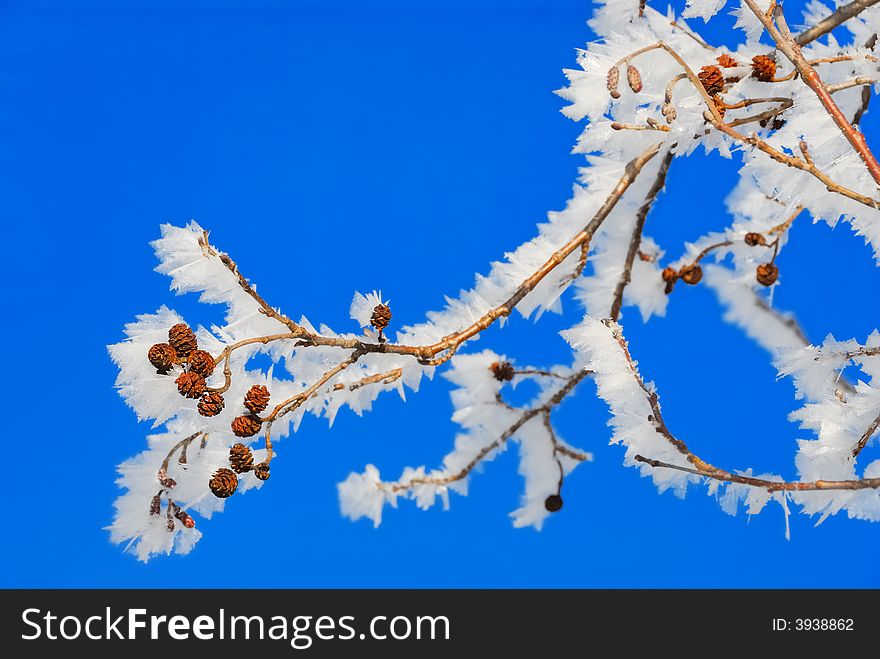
(332,146)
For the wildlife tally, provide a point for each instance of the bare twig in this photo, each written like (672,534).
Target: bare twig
(527,416)
(770,486)
(843,14)
(866,436)
(703,468)
(804,165)
(425,353)
(233,268)
(636,239)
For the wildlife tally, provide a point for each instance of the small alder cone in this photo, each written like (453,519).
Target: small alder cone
(182,339)
(257,398)
(201,362)
(155,505)
(211,403)
(691,274)
(712,79)
(669,276)
(763,68)
(503,371)
(752,239)
(380,319)
(726,61)
(633,78)
(612,82)
(191,385)
(261,471)
(241,459)
(163,357)
(223,483)
(246,426)
(766,274)
(553,503)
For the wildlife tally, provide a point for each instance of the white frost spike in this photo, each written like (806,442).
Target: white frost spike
(361,496)
(704,9)
(362,306)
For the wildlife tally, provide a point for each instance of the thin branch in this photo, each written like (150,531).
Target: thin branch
(536,371)
(843,14)
(636,239)
(770,486)
(863,441)
(693,35)
(709,249)
(527,416)
(296,401)
(162,474)
(385,378)
(703,468)
(804,165)
(265,309)
(425,353)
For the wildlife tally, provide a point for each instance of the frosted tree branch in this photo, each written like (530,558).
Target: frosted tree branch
(650,85)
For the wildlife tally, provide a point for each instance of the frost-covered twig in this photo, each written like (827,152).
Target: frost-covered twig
(866,436)
(770,486)
(636,240)
(806,164)
(540,410)
(833,20)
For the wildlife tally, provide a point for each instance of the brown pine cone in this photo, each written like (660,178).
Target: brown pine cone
(191,385)
(727,61)
(261,471)
(201,362)
(162,356)
(211,404)
(712,79)
(257,398)
(763,68)
(503,371)
(246,426)
(766,274)
(752,239)
(241,459)
(223,483)
(691,274)
(155,505)
(381,317)
(182,339)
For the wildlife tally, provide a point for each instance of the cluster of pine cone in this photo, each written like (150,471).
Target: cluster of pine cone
(224,482)
(182,349)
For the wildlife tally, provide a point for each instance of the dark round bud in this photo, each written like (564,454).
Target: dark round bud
(553,503)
